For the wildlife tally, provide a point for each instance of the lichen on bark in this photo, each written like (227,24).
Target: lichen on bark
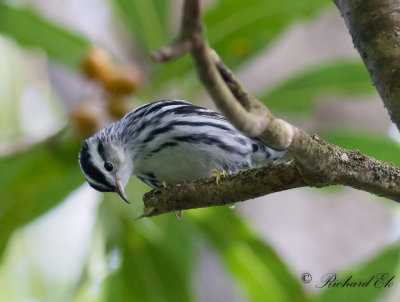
(375,28)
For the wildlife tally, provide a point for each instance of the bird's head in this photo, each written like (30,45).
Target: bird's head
(106,166)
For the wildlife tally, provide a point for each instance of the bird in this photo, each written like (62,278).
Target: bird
(168,142)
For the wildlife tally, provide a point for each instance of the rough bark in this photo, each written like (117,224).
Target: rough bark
(316,163)
(341,167)
(375,28)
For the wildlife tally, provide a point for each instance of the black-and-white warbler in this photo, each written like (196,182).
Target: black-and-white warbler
(168,141)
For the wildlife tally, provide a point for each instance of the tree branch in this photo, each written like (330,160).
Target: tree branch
(375,28)
(350,168)
(316,163)
(256,121)
(233,188)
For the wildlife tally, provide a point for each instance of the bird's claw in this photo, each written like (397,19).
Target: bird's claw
(218,174)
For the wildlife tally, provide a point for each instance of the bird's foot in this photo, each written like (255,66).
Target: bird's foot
(179,214)
(218,174)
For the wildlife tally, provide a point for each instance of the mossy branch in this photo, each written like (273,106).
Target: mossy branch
(375,28)
(343,167)
(316,163)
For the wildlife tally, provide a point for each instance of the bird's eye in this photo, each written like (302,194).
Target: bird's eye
(108,166)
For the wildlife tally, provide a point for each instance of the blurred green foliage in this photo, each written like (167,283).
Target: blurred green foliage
(148,21)
(158,260)
(159,255)
(34,181)
(386,262)
(238,29)
(254,265)
(30,29)
(299,93)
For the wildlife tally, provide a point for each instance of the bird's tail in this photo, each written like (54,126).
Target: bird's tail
(263,154)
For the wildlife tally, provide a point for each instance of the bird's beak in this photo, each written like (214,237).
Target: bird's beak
(120,190)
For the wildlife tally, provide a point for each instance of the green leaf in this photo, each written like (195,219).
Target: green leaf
(34,181)
(157,256)
(253,264)
(299,93)
(239,29)
(386,262)
(148,21)
(30,29)
(377,146)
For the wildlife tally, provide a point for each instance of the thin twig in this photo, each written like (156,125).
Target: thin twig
(250,117)
(171,52)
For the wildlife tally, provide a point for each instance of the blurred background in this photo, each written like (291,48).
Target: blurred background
(68,68)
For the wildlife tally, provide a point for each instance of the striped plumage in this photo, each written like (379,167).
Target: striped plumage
(169,141)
